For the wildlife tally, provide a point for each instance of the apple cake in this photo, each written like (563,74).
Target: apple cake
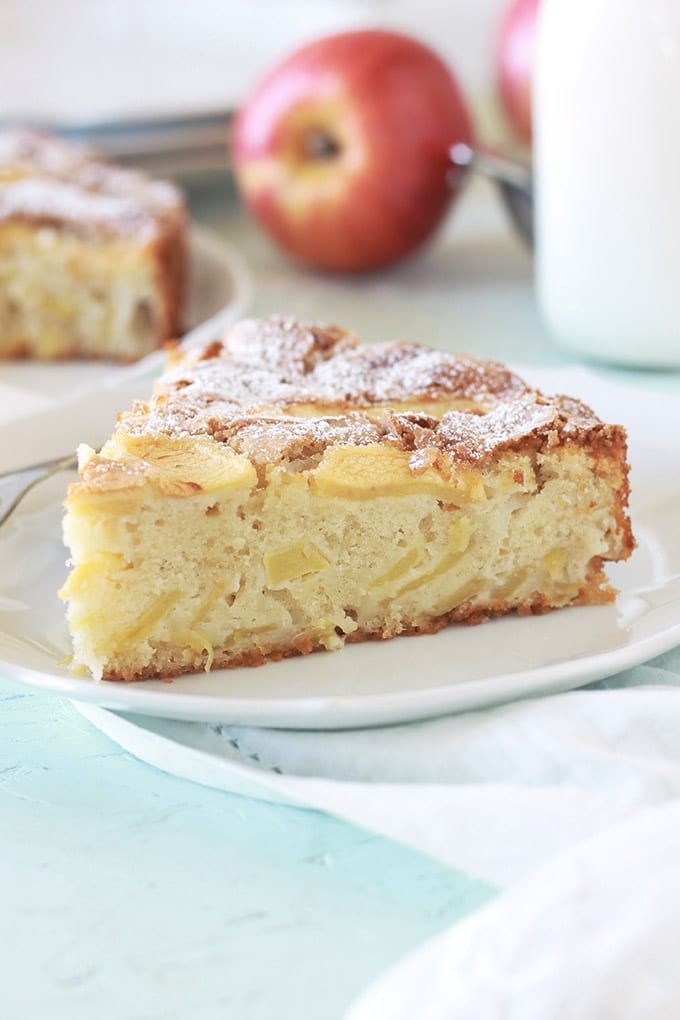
(92,256)
(288,489)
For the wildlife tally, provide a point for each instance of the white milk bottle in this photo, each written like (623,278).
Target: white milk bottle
(607,165)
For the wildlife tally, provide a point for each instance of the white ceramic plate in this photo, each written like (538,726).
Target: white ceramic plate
(408,678)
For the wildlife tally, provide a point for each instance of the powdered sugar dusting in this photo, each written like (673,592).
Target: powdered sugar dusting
(48,181)
(243,391)
(402,372)
(54,202)
(280,363)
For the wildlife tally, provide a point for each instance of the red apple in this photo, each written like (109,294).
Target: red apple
(341,153)
(515,63)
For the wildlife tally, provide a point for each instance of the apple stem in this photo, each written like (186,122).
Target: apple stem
(320,145)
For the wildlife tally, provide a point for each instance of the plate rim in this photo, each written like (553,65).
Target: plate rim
(352,711)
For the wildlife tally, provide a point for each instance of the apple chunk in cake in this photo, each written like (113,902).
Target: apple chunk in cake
(288,489)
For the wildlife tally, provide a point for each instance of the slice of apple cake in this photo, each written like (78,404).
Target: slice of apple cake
(92,256)
(287,489)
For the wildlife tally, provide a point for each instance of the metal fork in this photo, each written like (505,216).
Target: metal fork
(15,485)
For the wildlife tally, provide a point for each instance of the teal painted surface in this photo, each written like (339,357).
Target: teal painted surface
(130,895)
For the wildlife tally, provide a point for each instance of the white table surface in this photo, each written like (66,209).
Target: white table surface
(129,895)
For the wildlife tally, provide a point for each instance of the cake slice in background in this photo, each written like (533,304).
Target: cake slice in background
(92,256)
(288,489)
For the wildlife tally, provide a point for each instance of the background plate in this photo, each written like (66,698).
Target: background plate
(406,679)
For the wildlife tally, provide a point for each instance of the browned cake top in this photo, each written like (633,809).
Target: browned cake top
(280,363)
(279,390)
(49,182)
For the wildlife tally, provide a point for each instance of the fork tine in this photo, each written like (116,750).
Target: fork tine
(15,485)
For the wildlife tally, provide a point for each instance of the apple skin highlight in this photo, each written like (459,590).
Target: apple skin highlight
(342,152)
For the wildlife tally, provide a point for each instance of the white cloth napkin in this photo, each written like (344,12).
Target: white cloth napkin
(494,794)
(570,803)
(591,937)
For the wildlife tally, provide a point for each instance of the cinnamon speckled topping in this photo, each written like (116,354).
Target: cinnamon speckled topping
(280,363)
(257,390)
(48,182)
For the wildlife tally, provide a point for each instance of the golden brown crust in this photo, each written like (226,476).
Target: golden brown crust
(283,365)
(171,260)
(278,390)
